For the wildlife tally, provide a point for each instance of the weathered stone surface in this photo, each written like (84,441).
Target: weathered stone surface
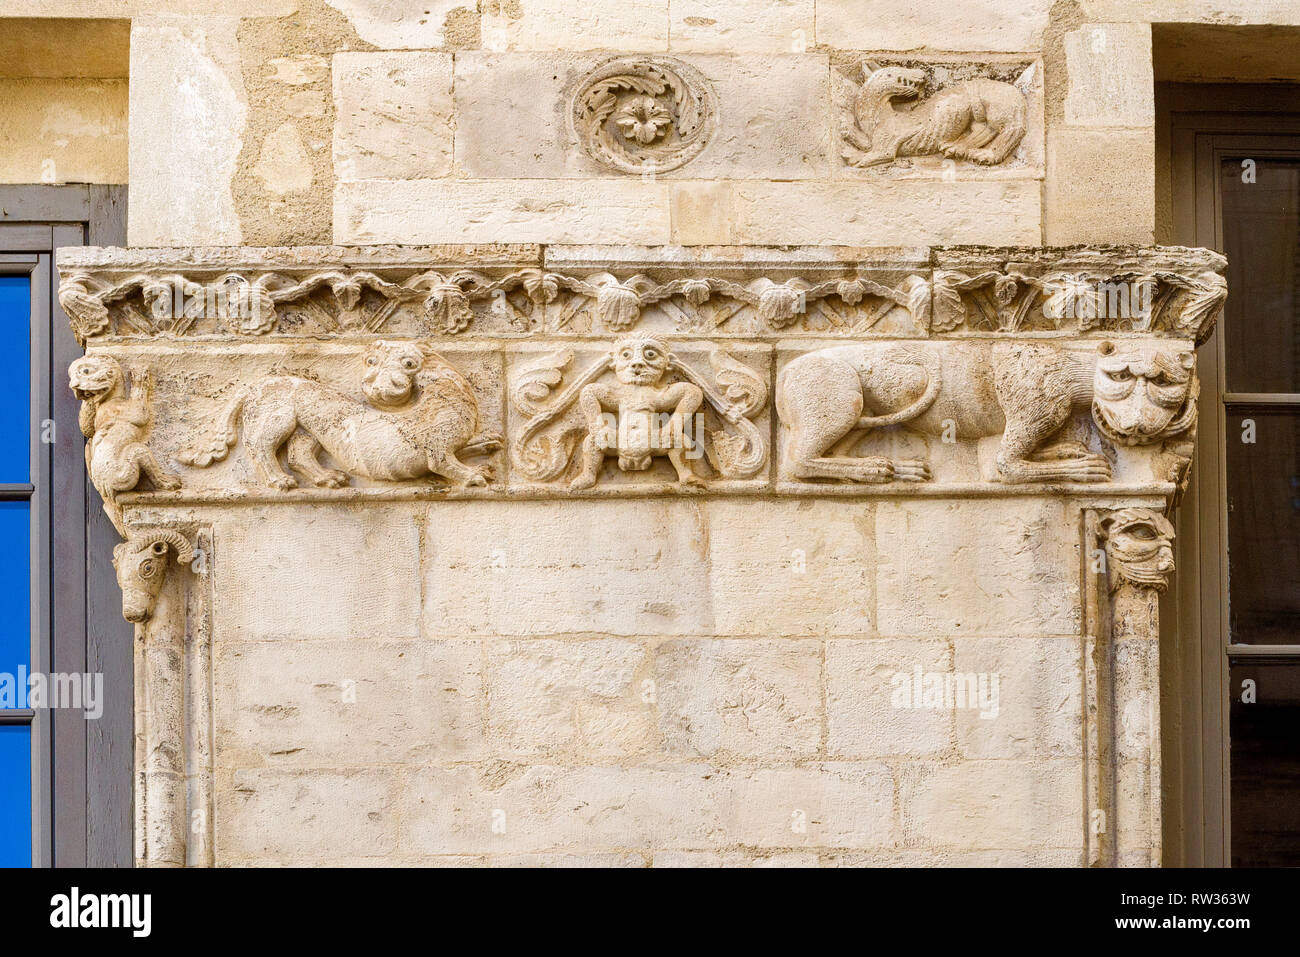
(308,816)
(283,166)
(559,25)
(991,805)
(781,567)
(933,24)
(296,575)
(1037,683)
(871,710)
(1110,75)
(724,26)
(399,24)
(343,703)
(757,699)
(492,211)
(735,859)
(188,110)
(549,575)
(63,130)
(1008,574)
(393,115)
(518,808)
(893,212)
(1100,183)
(589,697)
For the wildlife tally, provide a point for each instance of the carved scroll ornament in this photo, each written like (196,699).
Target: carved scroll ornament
(637,115)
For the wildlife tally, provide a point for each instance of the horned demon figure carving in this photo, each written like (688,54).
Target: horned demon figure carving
(979,120)
(114,424)
(640,416)
(1023,392)
(1139,548)
(421,414)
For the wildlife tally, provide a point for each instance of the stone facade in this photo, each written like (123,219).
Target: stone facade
(686,433)
(518,554)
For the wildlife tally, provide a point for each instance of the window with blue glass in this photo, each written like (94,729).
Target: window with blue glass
(15,573)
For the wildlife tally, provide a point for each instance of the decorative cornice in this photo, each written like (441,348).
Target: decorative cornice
(521,292)
(461,372)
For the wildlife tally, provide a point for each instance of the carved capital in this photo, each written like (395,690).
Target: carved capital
(143,562)
(1139,548)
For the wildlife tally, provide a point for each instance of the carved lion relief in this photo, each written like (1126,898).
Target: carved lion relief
(1022,392)
(418,415)
(636,403)
(116,423)
(890,117)
(638,115)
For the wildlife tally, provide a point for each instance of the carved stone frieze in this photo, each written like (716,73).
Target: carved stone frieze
(1022,393)
(960,384)
(644,114)
(849,293)
(418,414)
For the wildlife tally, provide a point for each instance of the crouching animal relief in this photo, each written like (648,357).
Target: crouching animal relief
(115,422)
(978,120)
(419,415)
(1024,393)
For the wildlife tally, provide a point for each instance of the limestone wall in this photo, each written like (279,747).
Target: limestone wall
(532,670)
(743,648)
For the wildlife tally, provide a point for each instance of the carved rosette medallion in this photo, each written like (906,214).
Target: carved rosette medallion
(644,115)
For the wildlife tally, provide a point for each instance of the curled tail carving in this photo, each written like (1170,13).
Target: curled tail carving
(927,360)
(216,446)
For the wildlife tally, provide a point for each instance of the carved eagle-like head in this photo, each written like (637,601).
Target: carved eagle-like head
(1143,393)
(94,377)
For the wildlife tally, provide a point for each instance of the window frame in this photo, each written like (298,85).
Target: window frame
(36,268)
(1205,123)
(81,770)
